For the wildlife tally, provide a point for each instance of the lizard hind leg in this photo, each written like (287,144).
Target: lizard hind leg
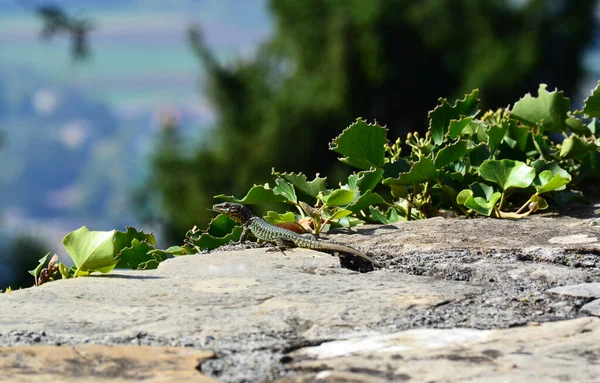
(279,246)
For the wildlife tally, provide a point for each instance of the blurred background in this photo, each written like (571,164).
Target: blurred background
(137,112)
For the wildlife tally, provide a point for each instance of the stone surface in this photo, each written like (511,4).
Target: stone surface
(258,310)
(592,308)
(220,294)
(95,363)
(583,290)
(551,352)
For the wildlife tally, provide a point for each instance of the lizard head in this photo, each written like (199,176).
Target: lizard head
(235,211)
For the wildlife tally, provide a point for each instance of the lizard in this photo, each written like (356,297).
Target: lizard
(281,237)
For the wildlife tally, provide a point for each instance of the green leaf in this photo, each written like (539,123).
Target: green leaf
(390,216)
(339,197)
(482,190)
(507,173)
(221,230)
(575,146)
(541,146)
(592,104)
(91,250)
(421,171)
(285,189)
(578,127)
(41,262)
(275,218)
(496,134)
(463,196)
(364,202)
(451,153)
(551,108)
(301,183)
(64,270)
(179,250)
(457,127)
(340,213)
(393,169)
(175,251)
(444,113)
(478,155)
(365,180)
(123,240)
(547,182)
(134,256)
(148,265)
(362,145)
(258,194)
(592,126)
(518,134)
(481,205)
(220,226)
(542,204)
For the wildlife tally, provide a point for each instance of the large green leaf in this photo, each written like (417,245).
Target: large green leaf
(507,173)
(552,108)
(592,103)
(421,171)
(451,153)
(362,145)
(91,250)
(444,113)
(258,194)
(301,183)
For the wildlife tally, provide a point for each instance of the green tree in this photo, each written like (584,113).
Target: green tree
(329,62)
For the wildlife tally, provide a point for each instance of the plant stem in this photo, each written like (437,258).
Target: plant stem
(524,206)
(501,201)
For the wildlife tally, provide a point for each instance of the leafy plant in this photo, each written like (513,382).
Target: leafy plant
(499,165)
(102,251)
(43,274)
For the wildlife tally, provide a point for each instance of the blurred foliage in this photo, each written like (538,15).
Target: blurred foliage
(329,62)
(16,257)
(56,22)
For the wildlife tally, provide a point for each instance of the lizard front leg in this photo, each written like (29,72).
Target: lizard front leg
(245,232)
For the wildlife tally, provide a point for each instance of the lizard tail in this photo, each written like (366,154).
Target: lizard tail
(346,249)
